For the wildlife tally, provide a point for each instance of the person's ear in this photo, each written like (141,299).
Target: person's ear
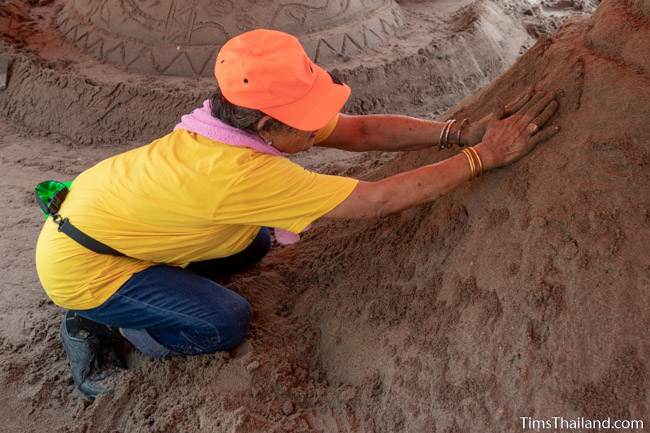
(260,127)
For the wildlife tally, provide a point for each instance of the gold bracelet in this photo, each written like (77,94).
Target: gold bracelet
(452,122)
(460,131)
(442,136)
(470,161)
(478,160)
(443,141)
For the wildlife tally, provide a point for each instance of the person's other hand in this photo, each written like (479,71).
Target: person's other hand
(507,140)
(476,130)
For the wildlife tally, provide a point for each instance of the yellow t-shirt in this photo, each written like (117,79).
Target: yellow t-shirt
(179,199)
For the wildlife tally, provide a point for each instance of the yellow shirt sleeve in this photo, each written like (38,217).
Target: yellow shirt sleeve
(323,133)
(275,192)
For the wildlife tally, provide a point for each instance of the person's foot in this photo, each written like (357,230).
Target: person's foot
(91,356)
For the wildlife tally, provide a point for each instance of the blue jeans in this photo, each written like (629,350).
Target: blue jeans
(167,310)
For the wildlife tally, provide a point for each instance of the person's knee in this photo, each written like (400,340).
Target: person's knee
(232,326)
(224,331)
(239,320)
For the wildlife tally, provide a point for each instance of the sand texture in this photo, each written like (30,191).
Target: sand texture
(523,293)
(176,37)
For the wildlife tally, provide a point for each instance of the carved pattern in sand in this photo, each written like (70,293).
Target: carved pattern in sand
(182,37)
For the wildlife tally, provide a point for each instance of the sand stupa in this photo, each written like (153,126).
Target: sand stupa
(182,38)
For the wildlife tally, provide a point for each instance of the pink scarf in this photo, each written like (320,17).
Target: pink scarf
(202,122)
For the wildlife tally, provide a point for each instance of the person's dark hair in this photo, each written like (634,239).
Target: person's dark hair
(240,117)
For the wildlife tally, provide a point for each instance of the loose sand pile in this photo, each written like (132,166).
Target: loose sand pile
(524,293)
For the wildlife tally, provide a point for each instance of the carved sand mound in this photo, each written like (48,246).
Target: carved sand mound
(177,37)
(440,52)
(525,294)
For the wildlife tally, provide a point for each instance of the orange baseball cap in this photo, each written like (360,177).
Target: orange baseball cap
(270,71)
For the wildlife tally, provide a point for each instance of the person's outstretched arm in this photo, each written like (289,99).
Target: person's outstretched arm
(504,142)
(395,133)
(383,132)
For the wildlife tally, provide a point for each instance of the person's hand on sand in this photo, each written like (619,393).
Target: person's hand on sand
(507,140)
(476,130)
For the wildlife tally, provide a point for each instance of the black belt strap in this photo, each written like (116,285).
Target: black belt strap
(66,227)
(52,204)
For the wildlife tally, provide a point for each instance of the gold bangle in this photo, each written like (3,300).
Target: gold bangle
(470,161)
(477,171)
(478,160)
(441,143)
(451,125)
(460,131)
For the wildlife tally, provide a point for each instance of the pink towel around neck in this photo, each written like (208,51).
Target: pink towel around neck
(202,122)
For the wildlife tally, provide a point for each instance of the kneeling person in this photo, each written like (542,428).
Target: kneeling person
(198,202)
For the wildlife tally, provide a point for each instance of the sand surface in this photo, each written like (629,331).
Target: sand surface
(524,293)
(175,37)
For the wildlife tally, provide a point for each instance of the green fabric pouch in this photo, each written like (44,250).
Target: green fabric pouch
(50,195)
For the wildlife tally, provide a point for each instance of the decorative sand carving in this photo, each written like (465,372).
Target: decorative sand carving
(178,37)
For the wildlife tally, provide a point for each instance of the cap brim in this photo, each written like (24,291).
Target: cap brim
(314,110)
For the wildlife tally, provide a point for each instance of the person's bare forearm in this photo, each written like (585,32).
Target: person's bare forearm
(395,133)
(422,185)
(411,188)
(503,142)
